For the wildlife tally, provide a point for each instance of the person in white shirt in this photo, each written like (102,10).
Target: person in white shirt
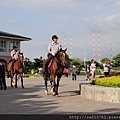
(106,68)
(93,69)
(14,56)
(108,64)
(53,48)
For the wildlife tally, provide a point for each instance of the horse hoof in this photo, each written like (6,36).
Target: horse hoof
(12,86)
(51,90)
(56,93)
(46,92)
(15,86)
(23,87)
(53,93)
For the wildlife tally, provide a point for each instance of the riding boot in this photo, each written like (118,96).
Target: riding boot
(12,69)
(45,65)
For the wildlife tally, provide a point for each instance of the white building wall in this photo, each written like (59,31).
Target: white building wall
(7,45)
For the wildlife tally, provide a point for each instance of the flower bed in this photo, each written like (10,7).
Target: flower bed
(113,81)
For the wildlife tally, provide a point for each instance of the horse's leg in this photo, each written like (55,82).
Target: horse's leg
(58,81)
(54,86)
(22,81)
(15,80)
(51,89)
(11,77)
(46,90)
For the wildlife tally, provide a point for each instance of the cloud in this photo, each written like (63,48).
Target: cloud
(11,21)
(117,3)
(63,18)
(42,4)
(109,22)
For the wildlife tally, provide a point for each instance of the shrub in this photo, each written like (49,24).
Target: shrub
(113,81)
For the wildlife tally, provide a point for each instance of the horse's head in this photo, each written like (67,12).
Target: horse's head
(61,56)
(21,57)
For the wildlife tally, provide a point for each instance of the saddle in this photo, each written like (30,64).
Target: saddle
(50,63)
(12,65)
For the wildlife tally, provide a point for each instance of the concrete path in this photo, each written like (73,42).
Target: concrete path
(32,99)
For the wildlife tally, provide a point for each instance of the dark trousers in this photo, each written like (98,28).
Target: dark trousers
(106,74)
(2,83)
(45,65)
(74,76)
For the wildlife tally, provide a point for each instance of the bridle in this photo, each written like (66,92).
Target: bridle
(59,61)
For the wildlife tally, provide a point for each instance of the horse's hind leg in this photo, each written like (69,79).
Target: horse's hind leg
(22,82)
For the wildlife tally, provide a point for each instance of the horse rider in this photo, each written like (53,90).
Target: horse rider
(14,56)
(53,48)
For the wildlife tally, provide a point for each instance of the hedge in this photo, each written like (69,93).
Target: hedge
(113,81)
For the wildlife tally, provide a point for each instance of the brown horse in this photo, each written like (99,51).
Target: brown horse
(55,70)
(17,70)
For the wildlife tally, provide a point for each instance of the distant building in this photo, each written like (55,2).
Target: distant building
(7,41)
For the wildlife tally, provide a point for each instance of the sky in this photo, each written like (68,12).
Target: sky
(40,19)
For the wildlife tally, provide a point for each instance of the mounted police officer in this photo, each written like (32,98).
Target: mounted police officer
(53,48)
(14,56)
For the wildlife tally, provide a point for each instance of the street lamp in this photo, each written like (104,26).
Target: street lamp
(85,57)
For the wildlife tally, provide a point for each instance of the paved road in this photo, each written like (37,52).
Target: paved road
(32,99)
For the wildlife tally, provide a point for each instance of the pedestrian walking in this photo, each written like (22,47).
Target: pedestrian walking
(88,72)
(108,64)
(74,73)
(93,69)
(106,68)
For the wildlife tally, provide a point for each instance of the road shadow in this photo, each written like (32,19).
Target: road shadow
(25,101)
(69,93)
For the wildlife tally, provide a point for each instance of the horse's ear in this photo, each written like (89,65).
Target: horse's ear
(65,50)
(60,49)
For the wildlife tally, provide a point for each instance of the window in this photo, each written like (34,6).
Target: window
(3,45)
(11,44)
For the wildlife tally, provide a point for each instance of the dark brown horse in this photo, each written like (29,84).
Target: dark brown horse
(17,70)
(55,71)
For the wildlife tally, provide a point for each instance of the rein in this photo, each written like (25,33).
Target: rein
(57,60)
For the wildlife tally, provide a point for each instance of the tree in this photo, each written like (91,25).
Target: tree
(38,62)
(77,62)
(116,61)
(28,65)
(74,61)
(105,59)
(68,60)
